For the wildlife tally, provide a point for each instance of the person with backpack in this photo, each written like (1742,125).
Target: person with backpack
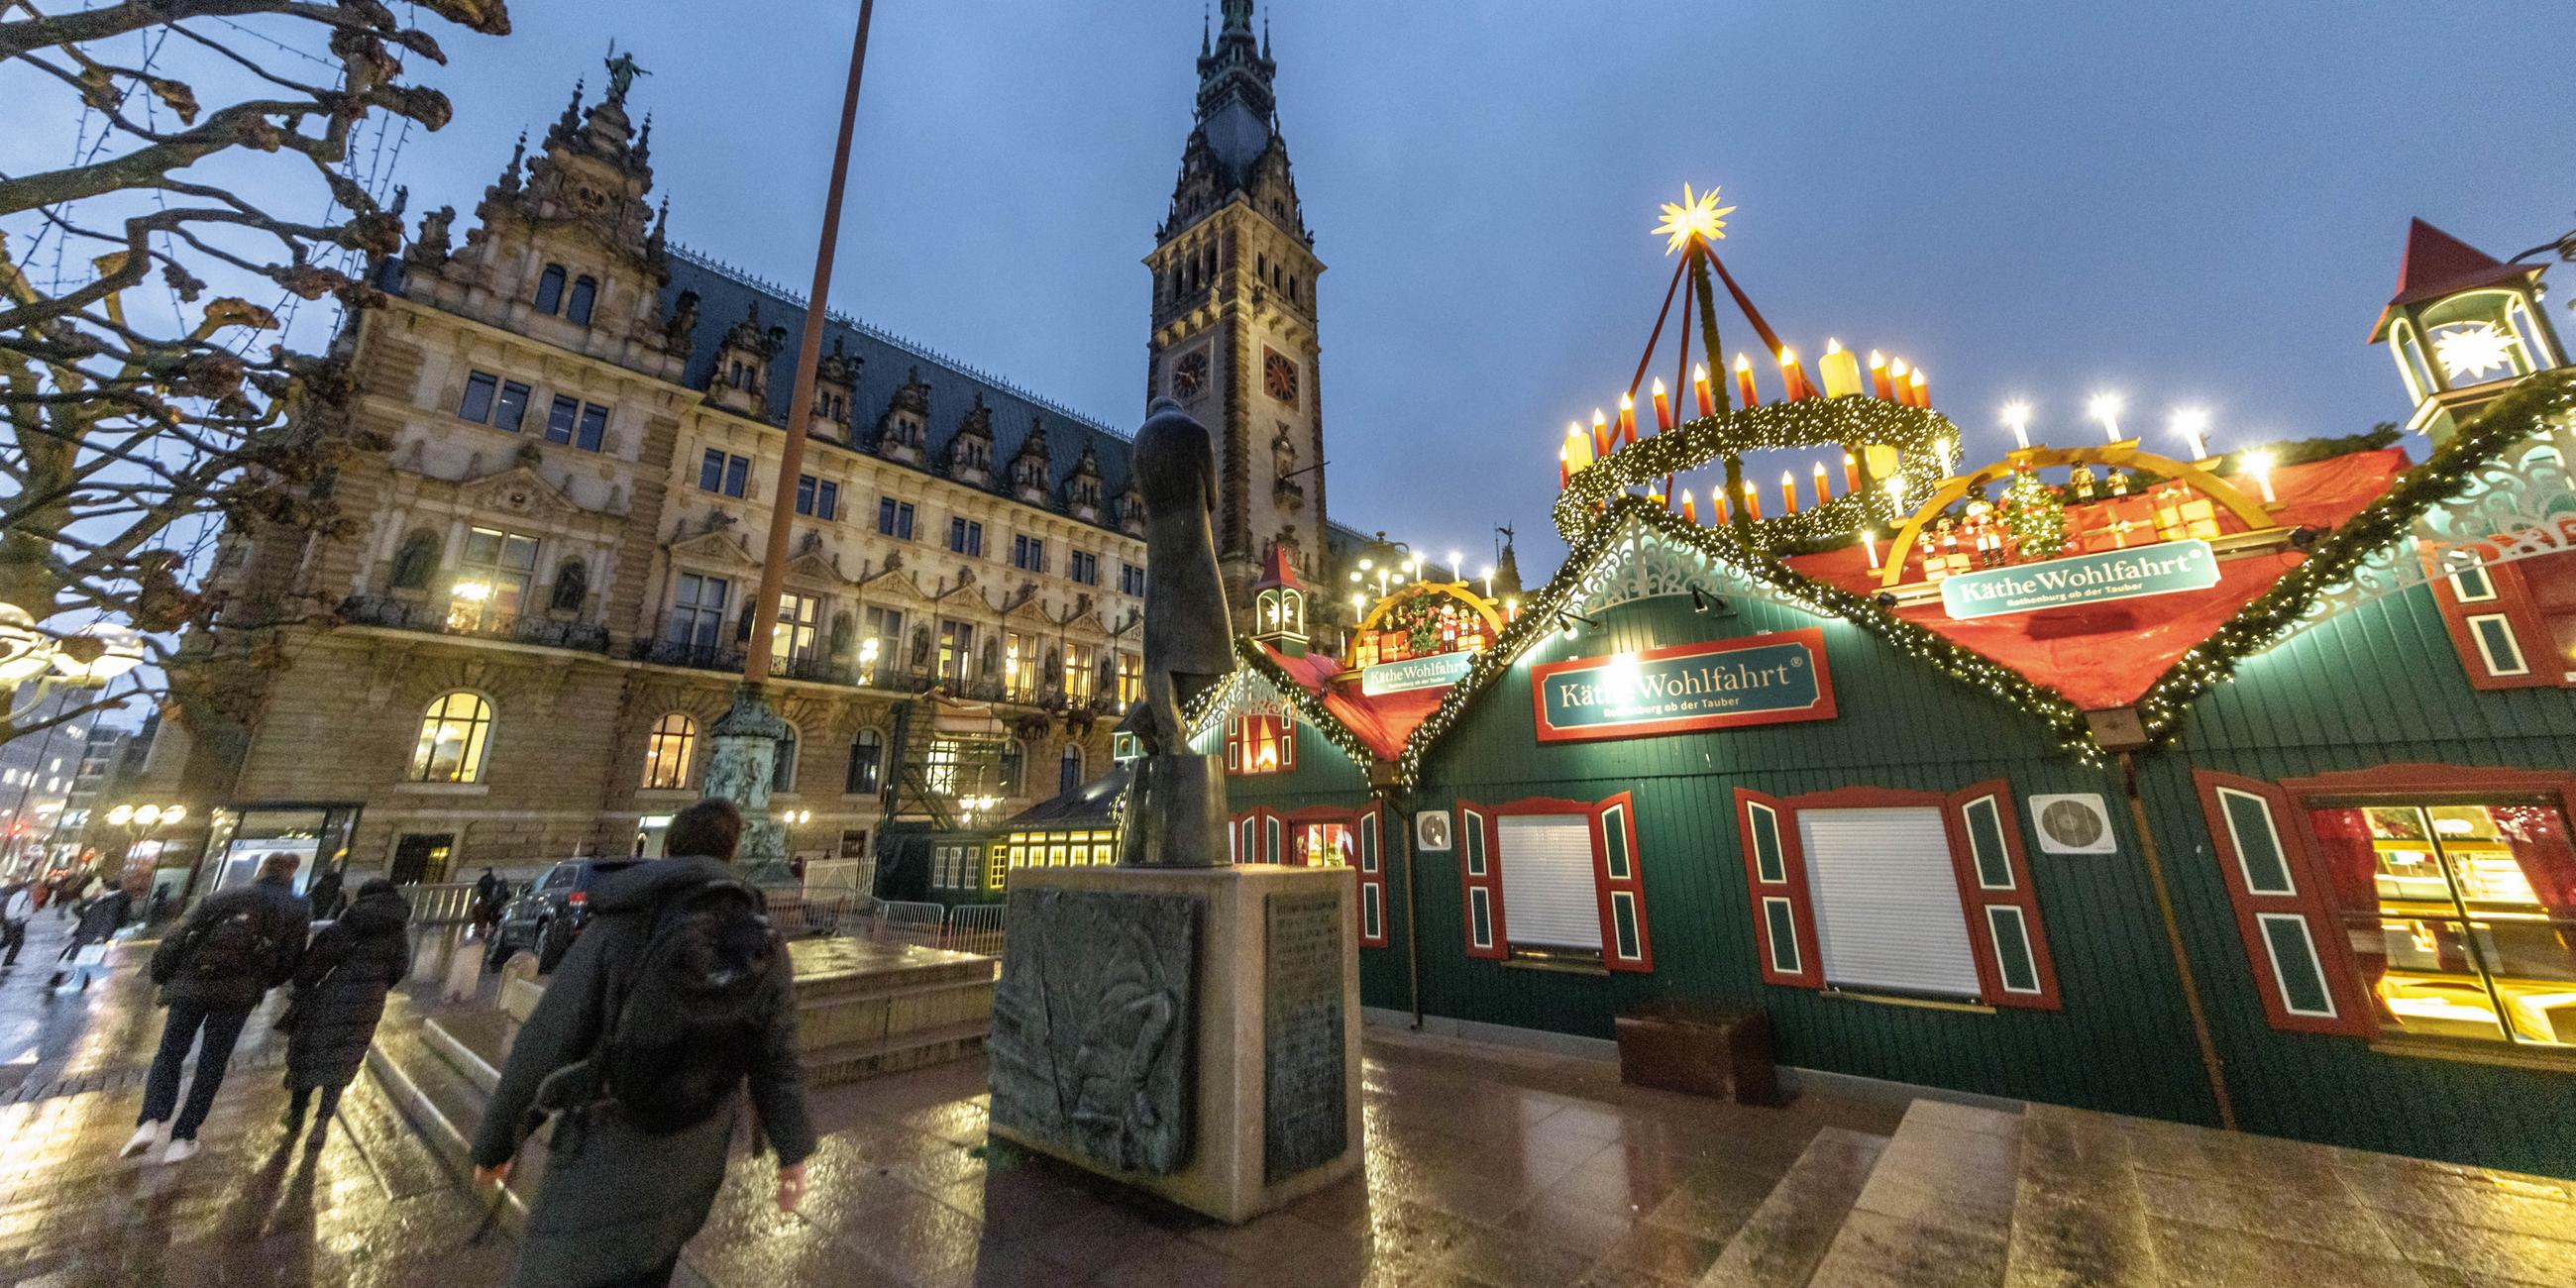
(232,949)
(339,997)
(17,908)
(490,892)
(676,998)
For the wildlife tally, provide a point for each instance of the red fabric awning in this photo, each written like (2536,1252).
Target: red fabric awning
(1384,722)
(2107,655)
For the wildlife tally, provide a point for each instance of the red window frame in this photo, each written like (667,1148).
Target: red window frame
(1370,865)
(1257,836)
(2509,613)
(1243,740)
(1779,894)
(1618,875)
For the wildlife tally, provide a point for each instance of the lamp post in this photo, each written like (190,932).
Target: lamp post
(744,741)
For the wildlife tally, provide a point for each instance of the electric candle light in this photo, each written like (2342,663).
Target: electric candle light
(2259,464)
(1458,565)
(1788,493)
(1793,378)
(1851,472)
(1564,471)
(1744,381)
(1878,386)
(1821,495)
(1752,502)
(2017,416)
(1719,512)
(1627,420)
(1839,369)
(1699,386)
(2193,424)
(1869,542)
(1578,445)
(2106,409)
(1603,440)
(1487,576)
(1690,512)
(1921,390)
(1663,408)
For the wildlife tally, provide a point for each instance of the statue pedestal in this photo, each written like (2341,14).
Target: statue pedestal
(1192,1032)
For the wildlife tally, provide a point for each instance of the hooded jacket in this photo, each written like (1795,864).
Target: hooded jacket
(278,914)
(626,1201)
(340,989)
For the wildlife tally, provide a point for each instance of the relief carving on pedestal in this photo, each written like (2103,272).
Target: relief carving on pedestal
(1091,1046)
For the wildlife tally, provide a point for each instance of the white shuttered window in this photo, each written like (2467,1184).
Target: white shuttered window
(1886,901)
(1548,888)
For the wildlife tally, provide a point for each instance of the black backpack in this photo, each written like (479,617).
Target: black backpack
(687,1014)
(231,949)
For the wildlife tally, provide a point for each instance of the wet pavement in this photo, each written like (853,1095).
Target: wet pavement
(1490,1167)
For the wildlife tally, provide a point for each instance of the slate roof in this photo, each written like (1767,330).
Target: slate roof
(885,361)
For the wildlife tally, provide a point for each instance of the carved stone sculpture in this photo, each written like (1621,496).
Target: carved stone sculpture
(1176,800)
(1091,1050)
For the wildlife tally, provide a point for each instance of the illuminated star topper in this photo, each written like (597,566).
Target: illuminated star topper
(2472,351)
(1698,216)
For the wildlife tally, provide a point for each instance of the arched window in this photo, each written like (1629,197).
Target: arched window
(1015,762)
(452,736)
(550,286)
(782,765)
(666,753)
(572,586)
(1068,770)
(867,763)
(585,293)
(417,562)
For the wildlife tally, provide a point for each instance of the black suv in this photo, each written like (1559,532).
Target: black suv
(548,913)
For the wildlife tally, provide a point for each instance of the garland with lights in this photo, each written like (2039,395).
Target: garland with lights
(1851,422)
(1252,659)
(2278,612)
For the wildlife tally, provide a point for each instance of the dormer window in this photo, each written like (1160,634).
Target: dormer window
(585,295)
(550,289)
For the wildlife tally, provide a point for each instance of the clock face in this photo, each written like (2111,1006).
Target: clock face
(1279,376)
(1190,374)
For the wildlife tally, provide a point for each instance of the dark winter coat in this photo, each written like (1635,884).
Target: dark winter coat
(100,917)
(624,1202)
(340,989)
(324,895)
(279,914)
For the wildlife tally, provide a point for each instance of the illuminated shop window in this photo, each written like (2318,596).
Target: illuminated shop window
(453,733)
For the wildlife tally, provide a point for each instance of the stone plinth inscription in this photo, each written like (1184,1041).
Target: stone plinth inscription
(1305,1120)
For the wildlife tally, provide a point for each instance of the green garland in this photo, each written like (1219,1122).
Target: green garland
(1251,657)
(1848,422)
(2275,614)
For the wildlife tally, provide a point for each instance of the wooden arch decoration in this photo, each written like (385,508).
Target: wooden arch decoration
(1484,608)
(2126,454)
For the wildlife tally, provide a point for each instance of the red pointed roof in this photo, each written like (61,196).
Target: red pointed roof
(2439,264)
(1277,571)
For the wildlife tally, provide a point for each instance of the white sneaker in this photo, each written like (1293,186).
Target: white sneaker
(144,1138)
(179,1151)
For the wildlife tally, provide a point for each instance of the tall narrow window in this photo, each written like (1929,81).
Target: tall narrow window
(797,630)
(782,768)
(1068,770)
(667,751)
(585,293)
(510,411)
(698,610)
(550,288)
(452,736)
(492,580)
(476,404)
(594,427)
(867,761)
(1015,761)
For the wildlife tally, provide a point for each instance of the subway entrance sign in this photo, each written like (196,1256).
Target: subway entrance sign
(1767,679)
(2102,578)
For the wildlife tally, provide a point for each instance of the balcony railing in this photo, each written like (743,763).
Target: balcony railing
(702,657)
(437,619)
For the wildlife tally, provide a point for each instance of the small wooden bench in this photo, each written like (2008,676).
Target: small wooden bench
(1701,1048)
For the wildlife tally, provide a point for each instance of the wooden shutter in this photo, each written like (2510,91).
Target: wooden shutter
(1370,824)
(2497,629)
(1480,886)
(2003,910)
(1622,885)
(1784,915)
(2301,961)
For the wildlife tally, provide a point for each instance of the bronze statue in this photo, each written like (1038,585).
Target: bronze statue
(1176,798)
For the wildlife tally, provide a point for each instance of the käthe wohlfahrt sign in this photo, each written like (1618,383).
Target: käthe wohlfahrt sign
(2160,569)
(1724,684)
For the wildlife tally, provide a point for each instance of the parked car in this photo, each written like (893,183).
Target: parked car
(547,914)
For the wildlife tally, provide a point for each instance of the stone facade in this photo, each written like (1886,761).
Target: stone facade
(581,428)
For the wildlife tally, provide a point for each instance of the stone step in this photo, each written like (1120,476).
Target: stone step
(445,1107)
(1938,1206)
(1788,1235)
(833,1021)
(2079,1217)
(959,968)
(894,1053)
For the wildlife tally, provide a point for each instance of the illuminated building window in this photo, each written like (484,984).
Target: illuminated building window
(453,733)
(492,580)
(1261,743)
(667,751)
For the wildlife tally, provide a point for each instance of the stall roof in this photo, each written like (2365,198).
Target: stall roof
(2108,655)
(1384,722)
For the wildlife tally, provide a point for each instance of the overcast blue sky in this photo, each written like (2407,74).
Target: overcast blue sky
(2189,202)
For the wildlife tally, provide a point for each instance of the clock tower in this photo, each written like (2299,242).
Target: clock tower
(1233,336)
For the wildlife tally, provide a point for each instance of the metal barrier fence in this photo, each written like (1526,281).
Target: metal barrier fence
(440,905)
(974,928)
